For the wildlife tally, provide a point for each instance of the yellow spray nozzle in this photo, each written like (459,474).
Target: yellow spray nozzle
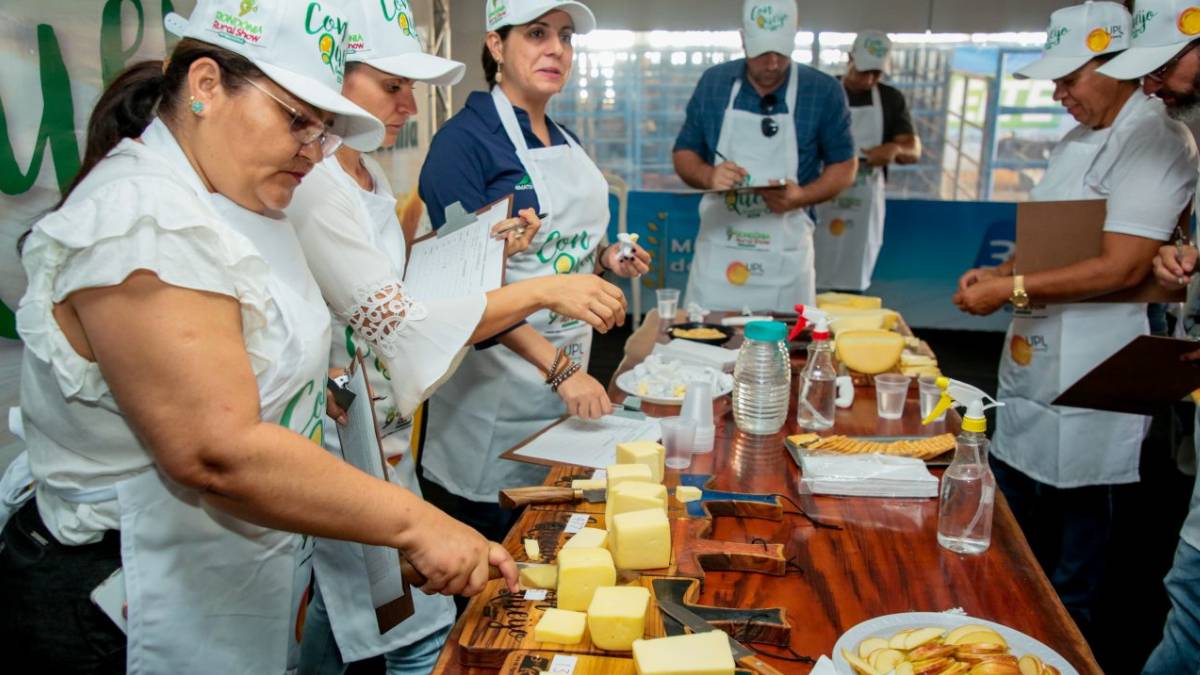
(942,406)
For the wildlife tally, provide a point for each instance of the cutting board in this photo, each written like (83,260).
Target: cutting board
(536,663)
(561,476)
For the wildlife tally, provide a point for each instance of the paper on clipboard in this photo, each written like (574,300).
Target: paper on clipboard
(1056,234)
(1140,378)
(739,189)
(591,443)
(464,262)
(360,444)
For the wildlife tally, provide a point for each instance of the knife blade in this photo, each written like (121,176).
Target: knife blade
(741,654)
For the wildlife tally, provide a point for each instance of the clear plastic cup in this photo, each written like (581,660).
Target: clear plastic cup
(668,304)
(891,390)
(930,395)
(697,413)
(677,437)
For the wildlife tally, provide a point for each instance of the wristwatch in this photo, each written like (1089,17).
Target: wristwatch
(1019,299)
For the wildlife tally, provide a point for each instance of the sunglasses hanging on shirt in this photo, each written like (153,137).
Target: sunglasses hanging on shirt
(767,106)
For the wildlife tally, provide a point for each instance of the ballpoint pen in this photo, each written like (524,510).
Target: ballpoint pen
(519,226)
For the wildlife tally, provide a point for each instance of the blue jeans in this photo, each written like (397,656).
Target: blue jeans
(319,653)
(1179,651)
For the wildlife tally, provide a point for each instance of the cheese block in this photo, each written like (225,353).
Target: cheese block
(650,453)
(687,493)
(589,484)
(867,317)
(641,540)
(580,572)
(695,654)
(911,359)
(588,537)
(871,321)
(870,351)
(539,576)
(634,497)
(617,616)
(848,300)
(625,473)
(533,550)
(560,626)
(919,371)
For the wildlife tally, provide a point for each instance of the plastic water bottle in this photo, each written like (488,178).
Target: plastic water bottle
(762,379)
(818,383)
(968,495)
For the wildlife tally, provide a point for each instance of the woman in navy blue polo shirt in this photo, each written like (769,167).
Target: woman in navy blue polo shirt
(503,143)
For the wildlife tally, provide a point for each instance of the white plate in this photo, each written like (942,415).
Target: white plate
(627,382)
(1019,643)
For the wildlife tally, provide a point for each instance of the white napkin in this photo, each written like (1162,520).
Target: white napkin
(697,354)
(867,476)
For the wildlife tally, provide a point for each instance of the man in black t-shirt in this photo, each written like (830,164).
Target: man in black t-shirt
(850,227)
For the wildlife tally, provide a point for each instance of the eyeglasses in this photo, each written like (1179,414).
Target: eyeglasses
(767,106)
(1160,73)
(303,128)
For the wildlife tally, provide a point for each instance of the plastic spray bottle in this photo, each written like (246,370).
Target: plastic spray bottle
(818,380)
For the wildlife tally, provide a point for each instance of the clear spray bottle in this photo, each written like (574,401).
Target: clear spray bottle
(818,381)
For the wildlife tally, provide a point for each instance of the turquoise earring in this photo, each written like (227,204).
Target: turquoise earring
(197,106)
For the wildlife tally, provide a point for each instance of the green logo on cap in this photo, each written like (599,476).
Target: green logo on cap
(248,6)
(400,12)
(497,10)
(236,28)
(1140,20)
(1055,35)
(766,19)
(875,47)
(331,31)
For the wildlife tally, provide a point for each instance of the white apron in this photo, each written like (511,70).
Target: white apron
(849,233)
(1048,349)
(341,565)
(747,256)
(497,399)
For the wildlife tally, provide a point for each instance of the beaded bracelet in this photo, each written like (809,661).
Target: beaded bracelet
(564,376)
(559,356)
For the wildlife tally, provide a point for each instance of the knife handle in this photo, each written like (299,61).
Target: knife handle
(758,665)
(517,497)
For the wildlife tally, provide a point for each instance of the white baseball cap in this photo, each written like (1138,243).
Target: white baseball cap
(769,26)
(384,35)
(870,51)
(300,46)
(1076,35)
(501,13)
(1161,29)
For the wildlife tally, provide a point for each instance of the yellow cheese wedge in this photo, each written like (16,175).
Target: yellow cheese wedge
(533,550)
(870,351)
(849,300)
(872,321)
(617,616)
(650,453)
(539,576)
(589,484)
(561,627)
(889,318)
(580,572)
(641,540)
(625,473)
(687,493)
(588,537)
(695,654)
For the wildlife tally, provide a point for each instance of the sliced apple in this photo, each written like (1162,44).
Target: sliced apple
(922,636)
(967,629)
(957,669)
(871,644)
(897,641)
(995,668)
(931,650)
(1030,665)
(931,666)
(859,664)
(886,660)
(1050,670)
(979,652)
(903,668)
(981,637)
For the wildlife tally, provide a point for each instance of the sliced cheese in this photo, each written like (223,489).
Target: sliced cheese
(588,537)
(641,540)
(589,484)
(561,627)
(849,300)
(533,550)
(626,473)
(889,317)
(539,576)
(870,351)
(617,616)
(872,321)
(911,359)
(650,453)
(695,654)
(580,572)
(687,493)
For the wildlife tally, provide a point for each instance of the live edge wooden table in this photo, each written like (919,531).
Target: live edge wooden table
(884,560)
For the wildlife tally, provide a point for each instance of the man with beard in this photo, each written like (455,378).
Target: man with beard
(1165,34)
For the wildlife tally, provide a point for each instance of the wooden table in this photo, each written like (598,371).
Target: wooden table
(885,560)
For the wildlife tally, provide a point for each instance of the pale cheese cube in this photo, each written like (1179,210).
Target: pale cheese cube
(695,654)
(560,626)
(539,576)
(580,572)
(650,453)
(641,540)
(628,497)
(533,550)
(589,484)
(687,493)
(588,537)
(624,473)
(617,616)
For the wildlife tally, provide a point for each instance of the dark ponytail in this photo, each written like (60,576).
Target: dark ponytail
(490,67)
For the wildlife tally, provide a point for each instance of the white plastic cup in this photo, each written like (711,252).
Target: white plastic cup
(891,391)
(677,437)
(930,395)
(668,304)
(697,412)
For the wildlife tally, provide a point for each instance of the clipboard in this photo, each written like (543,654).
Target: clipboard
(1055,234)
(456,220)
(1143,376)
(389,614)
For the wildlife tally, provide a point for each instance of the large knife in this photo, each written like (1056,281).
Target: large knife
(741,654)
(517,497)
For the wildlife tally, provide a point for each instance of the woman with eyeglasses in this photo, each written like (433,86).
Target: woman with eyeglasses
(345,219)
(173,385)
(763,120)
(503,143)
(1057,465)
